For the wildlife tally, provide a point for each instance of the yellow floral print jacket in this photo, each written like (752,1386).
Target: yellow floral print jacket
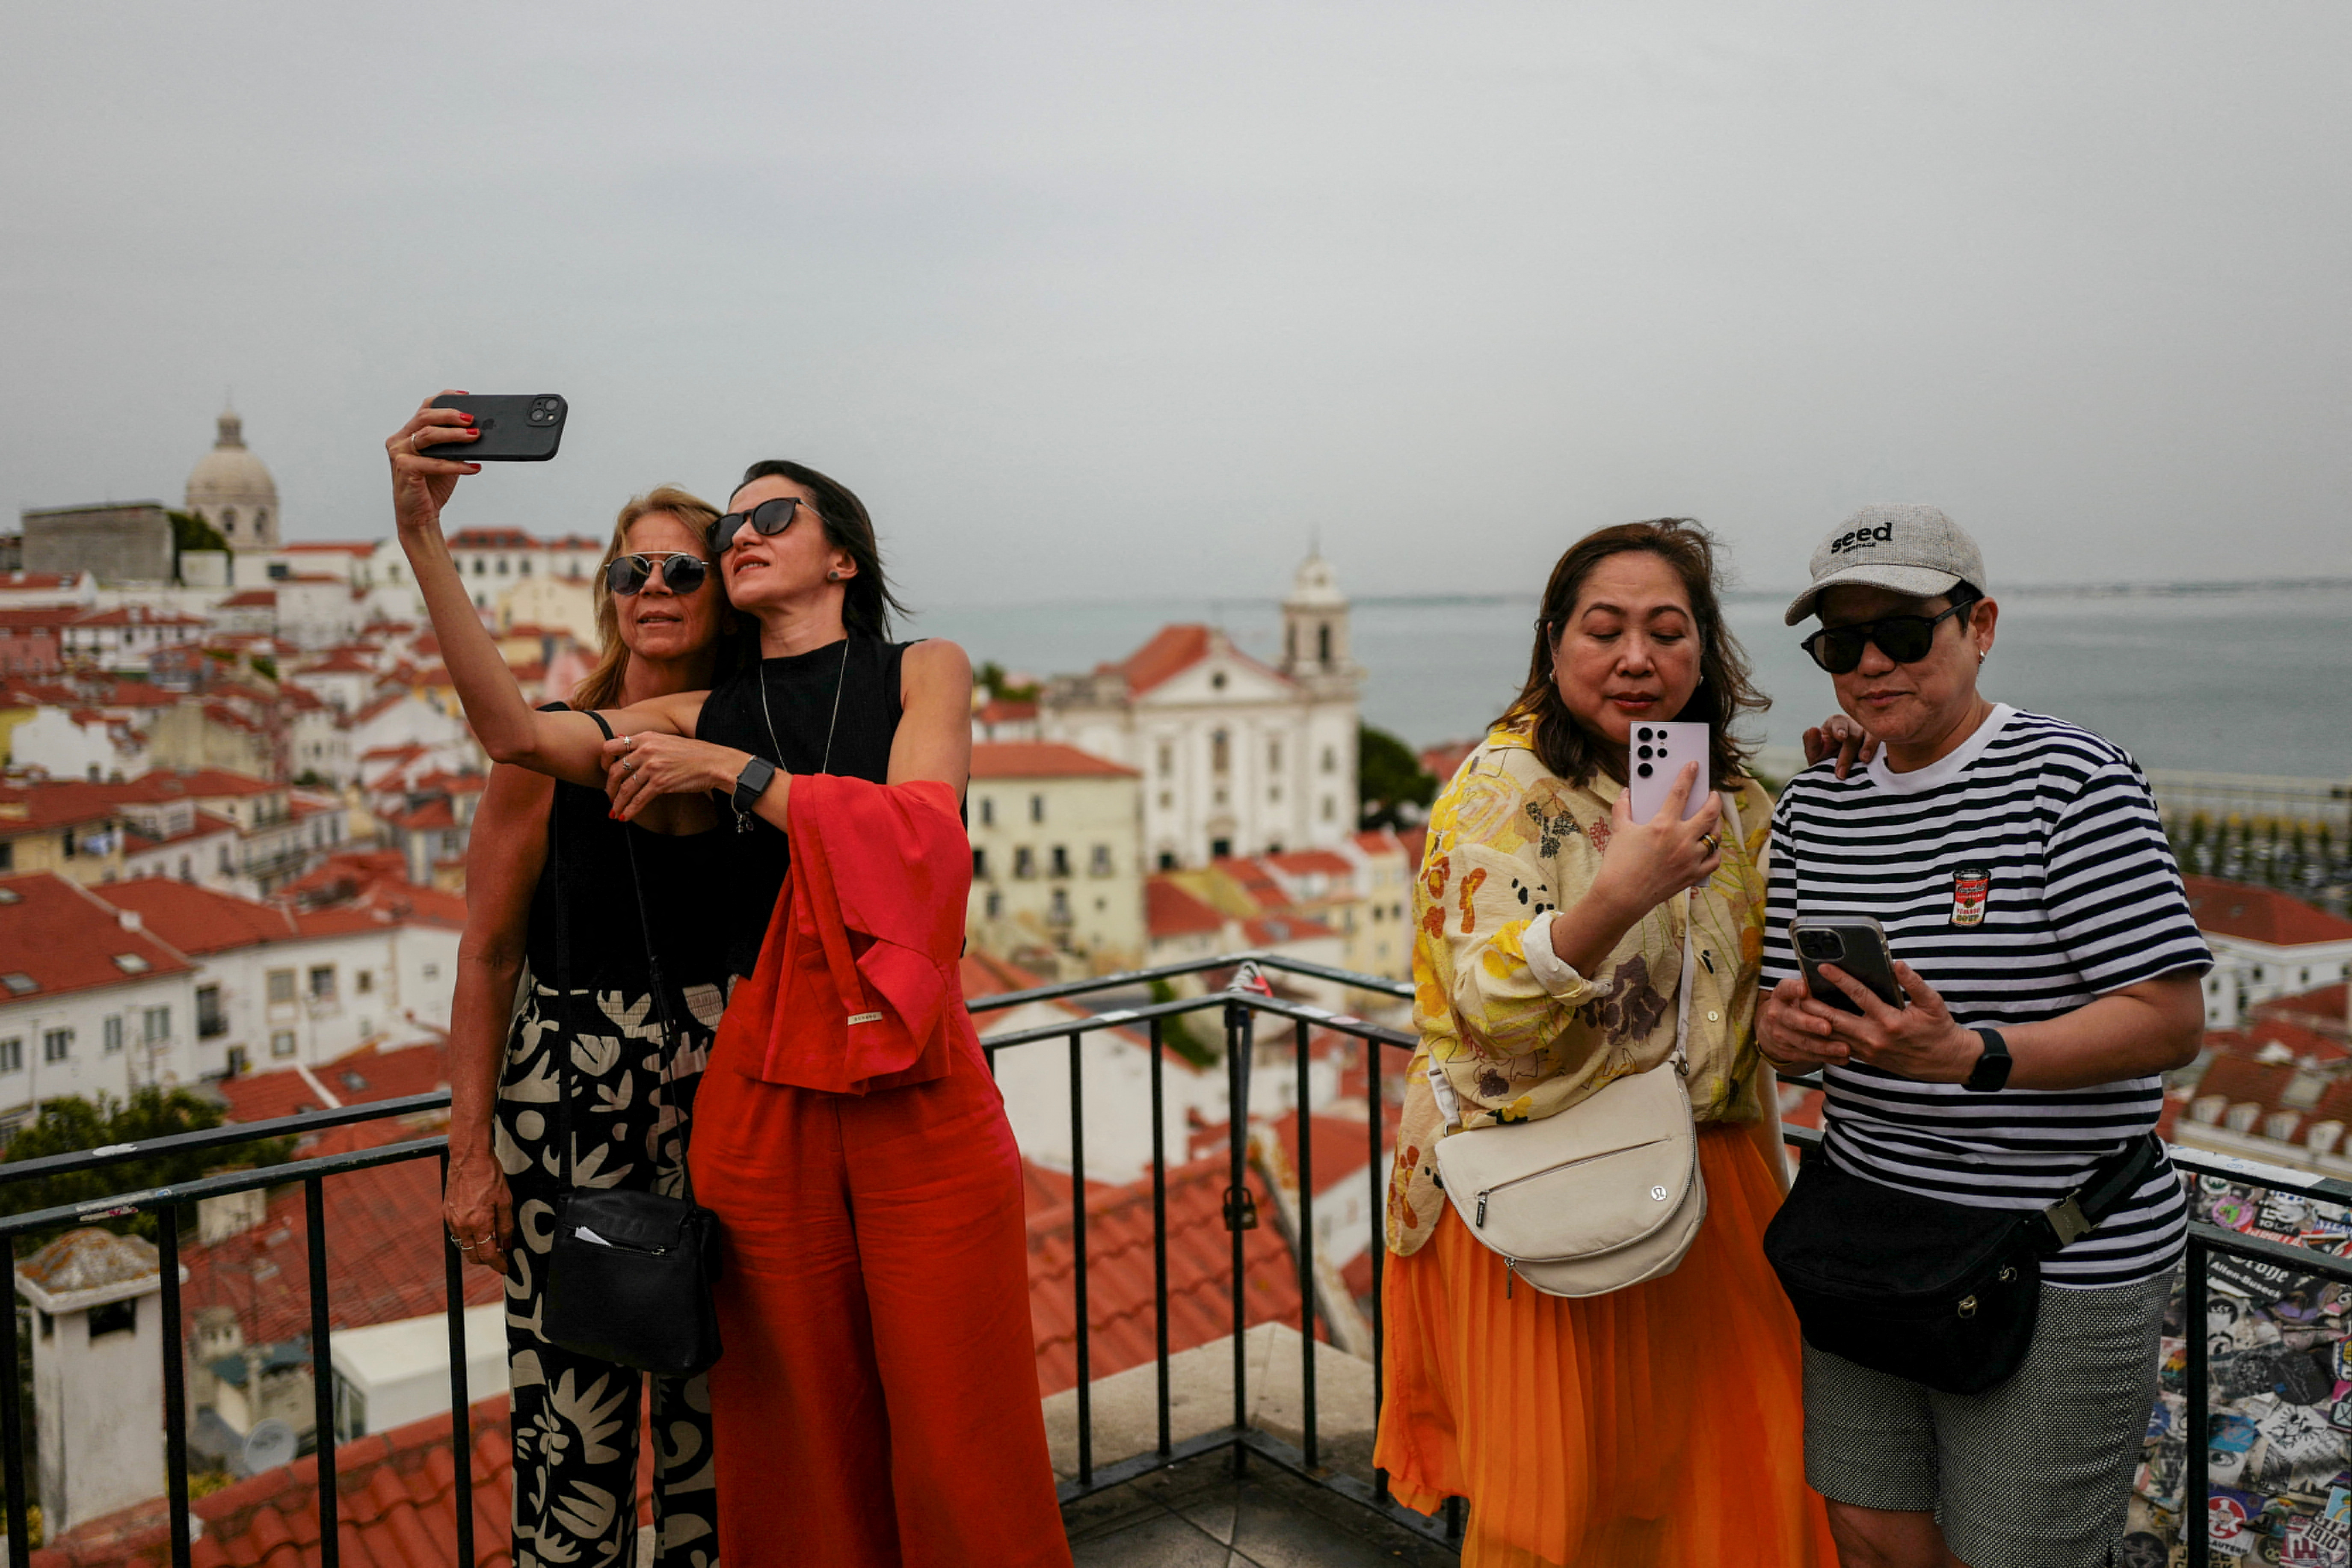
(1510,841)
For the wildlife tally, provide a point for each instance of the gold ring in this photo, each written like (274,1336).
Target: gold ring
(1711,841)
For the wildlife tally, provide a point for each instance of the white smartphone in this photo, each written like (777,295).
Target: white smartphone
(1656,756)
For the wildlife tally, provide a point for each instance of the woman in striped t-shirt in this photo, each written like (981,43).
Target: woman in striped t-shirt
(2040,929)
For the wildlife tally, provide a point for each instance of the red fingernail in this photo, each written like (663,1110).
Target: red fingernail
(467,417)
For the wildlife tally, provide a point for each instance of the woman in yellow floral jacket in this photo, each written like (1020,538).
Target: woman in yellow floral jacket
(1662,1424)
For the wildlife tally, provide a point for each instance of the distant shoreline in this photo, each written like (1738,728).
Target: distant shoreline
(2165,590)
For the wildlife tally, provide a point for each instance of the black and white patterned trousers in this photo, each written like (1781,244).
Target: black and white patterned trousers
(575,1418)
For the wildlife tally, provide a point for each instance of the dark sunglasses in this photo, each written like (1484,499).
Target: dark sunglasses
(1905,639)
(769,519)
(681,573)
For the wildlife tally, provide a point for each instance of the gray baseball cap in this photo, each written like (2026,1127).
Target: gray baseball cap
(1902,546)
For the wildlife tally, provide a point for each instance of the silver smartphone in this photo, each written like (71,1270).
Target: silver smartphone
(1856,943)
(1654,757)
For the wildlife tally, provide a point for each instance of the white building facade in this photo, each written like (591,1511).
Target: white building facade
(1237,757)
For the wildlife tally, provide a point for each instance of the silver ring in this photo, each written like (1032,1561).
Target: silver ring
(412,435)
(628,764)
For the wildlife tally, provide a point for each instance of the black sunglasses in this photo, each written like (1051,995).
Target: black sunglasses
(681,573)
(768,519)
(1905,639)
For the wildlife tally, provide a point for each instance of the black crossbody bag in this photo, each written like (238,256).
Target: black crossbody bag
(629,1274)
(1941,1293)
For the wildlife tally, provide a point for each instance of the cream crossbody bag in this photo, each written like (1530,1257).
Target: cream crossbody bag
(1603,1194)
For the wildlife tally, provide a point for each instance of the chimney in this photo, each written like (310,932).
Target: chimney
(131,919)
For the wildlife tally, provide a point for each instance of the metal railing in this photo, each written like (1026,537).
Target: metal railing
(1239,1007)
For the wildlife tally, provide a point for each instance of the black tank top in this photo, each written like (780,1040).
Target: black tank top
(599,942)
(799,693)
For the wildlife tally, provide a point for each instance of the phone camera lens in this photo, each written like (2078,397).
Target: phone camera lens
(1642,733)
(1644,770)
(1821,946)
(1645,751)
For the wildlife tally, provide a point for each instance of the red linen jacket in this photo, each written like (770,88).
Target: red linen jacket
(857,986)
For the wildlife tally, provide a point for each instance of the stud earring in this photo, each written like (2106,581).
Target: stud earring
(836,577)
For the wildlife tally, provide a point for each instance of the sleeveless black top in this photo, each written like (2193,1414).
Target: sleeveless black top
(799,693)
(599,942)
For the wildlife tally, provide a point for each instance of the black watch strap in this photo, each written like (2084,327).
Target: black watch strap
(1991,1071)
(751,784)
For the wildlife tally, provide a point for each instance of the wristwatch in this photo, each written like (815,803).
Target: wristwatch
(1991,1071)
(750,785)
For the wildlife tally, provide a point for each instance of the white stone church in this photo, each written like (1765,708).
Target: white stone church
(1237,757)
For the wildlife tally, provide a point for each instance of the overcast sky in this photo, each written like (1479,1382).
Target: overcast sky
(1126,300)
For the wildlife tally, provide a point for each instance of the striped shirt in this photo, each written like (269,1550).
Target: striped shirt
(2023,876)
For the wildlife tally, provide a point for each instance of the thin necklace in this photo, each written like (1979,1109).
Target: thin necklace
(743,821)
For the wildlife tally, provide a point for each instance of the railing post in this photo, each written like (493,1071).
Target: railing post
(176,1383)
(1159,1232)
(2195,1522)
(1078,1236)
(1237,1066)
(1305,1243)
(322,1374)
(1380,1247)
(11,1427)
(461,1415)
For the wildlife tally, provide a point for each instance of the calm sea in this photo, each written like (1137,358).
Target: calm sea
(2240,680)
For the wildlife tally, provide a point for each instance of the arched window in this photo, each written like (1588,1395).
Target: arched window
(260,519)
(1323,643)
(228,519)
(1220,752)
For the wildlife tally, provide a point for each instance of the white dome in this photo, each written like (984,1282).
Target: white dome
(230,475)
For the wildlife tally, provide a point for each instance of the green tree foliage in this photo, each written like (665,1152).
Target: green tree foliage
(1388,777)
(190,531)
(1182,1033)
(990,678)
(72,1123)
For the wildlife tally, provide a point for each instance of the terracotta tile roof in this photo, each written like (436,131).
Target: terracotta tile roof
(1341,1147)
(2261,914)
(199,783)
(1121,1294)
(1380,841)
(1445,756)
(137,616)
(433,817)
(1274,930)
(36,617)
(384,1248)
(1247,874)
(1040,760)
(1310,862)
(395,1506)
(998,710)
(360,1078)
(197,919)
(339,661)
(56,803)
(251,599)
(1169,911)
(1172,651)
(61,938)
(339,546)
(492,539)
(38,579)
(985,975)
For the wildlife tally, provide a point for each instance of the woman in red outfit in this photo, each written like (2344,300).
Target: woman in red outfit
(878,1403)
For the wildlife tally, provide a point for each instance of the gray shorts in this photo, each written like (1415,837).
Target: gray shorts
(2034,1473)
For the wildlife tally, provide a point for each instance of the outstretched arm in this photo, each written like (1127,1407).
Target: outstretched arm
(562,745)
(933,742)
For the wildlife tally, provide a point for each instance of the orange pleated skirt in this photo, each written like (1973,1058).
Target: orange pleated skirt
(1660,1426)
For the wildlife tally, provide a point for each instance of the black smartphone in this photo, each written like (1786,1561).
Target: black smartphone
(515,429)
(1856,943)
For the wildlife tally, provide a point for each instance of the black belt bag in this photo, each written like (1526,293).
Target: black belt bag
(629,1274)
(1941,1293)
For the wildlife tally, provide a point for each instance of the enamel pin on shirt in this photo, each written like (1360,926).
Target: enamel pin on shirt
(1970,887)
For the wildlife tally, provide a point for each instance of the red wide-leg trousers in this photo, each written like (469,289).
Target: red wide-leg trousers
(877,1402)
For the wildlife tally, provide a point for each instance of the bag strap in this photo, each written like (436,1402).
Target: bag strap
(664,1019)
(2104,1189)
